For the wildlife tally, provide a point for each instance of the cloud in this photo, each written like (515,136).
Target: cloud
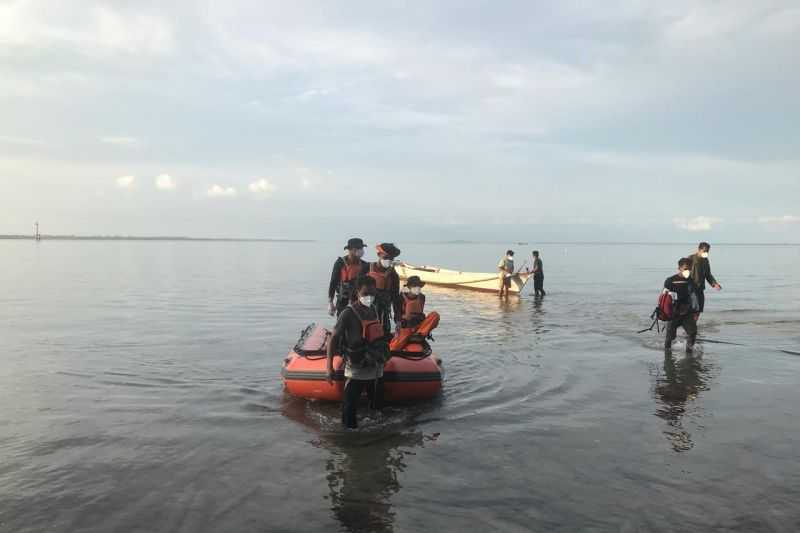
(305,183)
(262,187)
(697,223)
(123,142)
(218,191)
(165,182)
(785,219)
(126,182)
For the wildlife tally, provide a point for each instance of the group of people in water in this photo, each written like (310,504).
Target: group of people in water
(687,291)
(367,301)
(369,305)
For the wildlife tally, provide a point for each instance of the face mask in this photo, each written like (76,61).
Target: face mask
(415,290)
(686,273)
(704,255)
(510,257)
(386,263)
(360,252)
(367,300)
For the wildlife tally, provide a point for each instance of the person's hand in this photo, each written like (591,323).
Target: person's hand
(329,376)
(717,286)
(331,308)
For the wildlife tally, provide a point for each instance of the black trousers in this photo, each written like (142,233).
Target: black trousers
(352,393)
(538,284)
(701,300)
(689,325)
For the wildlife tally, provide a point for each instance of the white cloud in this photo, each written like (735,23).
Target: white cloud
(262,187)
(306,183)
(123,142)
(22,141)
(785,219)
(126,182)
(165,182)
(217,191)
(697,223)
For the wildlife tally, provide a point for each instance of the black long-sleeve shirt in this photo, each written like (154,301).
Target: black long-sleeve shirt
(336,275)
(683,287)
(701,272)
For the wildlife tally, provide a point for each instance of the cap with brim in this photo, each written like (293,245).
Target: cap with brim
(388,249)
(354,243)
(414,281)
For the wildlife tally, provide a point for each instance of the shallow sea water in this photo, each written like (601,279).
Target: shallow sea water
(140,391)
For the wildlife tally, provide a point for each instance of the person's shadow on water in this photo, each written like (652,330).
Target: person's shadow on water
(680,385)
(363,467)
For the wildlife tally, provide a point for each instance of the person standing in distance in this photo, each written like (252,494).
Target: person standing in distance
(701,272)
(538,274)
(506,269)
(346,270)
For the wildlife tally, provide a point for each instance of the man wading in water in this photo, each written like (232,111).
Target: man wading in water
(506,269)
(365,348)
(684,305)
(701,272)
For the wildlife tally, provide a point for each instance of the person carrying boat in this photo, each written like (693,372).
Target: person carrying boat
(413,303)
(364,347)
(387,284)
(684,304)
(538,274)
(341,289)
(506,270)
(701,272)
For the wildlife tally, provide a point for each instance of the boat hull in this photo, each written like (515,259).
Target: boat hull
(476,281)
(415,374)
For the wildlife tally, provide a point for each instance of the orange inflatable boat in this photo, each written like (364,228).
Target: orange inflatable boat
(412,373)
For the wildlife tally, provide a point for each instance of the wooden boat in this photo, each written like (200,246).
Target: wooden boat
(476,281)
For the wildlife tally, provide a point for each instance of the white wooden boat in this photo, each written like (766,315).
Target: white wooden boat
(477,281)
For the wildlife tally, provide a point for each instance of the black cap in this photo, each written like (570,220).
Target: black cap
(388,249)
(509,252)
(414,281)
(354,243)
(536,252)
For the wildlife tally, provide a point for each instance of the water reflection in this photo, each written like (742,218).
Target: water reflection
(677,389)
(363,466)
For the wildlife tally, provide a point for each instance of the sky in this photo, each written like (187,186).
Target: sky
(537,121)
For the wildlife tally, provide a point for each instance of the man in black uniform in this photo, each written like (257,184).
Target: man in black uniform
(538,274)
(365,348)
(387,283)
(342,287)
(684,304)
(701,272)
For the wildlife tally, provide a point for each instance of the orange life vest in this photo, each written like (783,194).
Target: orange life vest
(371,330)
(413,308)
(382,280)
(349,272)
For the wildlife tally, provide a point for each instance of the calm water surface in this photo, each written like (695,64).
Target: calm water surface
(140,391)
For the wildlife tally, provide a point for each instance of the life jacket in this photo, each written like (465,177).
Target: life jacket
(383,281)
(373,346)
(413,310)
(348,274)
(418,334)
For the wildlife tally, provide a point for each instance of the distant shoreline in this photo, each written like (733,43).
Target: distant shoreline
(167,238)
(142,238)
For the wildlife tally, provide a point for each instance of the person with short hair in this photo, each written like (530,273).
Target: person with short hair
(701,272)
(538,274)
(506,270)
(365,349)
(346,270)
(684,304)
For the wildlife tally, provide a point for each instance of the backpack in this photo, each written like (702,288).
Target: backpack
(663,312)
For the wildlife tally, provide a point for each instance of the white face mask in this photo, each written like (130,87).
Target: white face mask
(367,300)
(415,290)
(386,263)
(510,257)
(360,252)
(704,255)
(686,273)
